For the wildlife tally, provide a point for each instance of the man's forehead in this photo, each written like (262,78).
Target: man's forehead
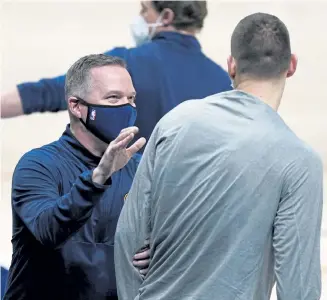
(109,71)
(110,75)
(111,78)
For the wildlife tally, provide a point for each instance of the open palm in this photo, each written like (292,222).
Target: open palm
(117,154)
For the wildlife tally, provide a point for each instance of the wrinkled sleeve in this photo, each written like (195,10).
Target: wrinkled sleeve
(134,226)
(52,218)
(45,95)
(297,228)
(48,94)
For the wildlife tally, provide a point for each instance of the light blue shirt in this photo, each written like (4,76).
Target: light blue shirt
(231,201)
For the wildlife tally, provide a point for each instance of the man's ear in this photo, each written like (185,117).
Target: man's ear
(231,64)
(293,66)
(74,107)
(167,17)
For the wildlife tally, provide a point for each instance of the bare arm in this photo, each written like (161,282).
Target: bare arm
(11,104)
(44,95)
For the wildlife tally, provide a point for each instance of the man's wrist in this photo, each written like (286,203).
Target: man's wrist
(99,177)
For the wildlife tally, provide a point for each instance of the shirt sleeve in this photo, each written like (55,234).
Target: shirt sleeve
(133,228)
(297,227)
(48,94)
(52,218)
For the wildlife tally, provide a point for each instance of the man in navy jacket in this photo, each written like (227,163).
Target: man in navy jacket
(167,67)
(67,196)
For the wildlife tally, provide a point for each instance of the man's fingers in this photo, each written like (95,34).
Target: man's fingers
(136,146)
(122,136)
(134,129)
(123,143)
(141,263)
(125,132)
(142,259)
(142,255)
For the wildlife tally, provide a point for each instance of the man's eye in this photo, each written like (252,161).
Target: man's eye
(113,97)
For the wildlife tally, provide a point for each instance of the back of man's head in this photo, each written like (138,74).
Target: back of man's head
(260,46)
(188,15)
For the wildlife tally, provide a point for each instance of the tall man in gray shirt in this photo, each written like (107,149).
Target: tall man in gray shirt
(228,196)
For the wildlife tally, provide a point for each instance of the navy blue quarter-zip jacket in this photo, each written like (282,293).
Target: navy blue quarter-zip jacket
(166,71)
(64,224)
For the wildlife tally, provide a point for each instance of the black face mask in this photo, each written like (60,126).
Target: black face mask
(106,121)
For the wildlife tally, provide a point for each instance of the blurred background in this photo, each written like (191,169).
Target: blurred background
(43,38)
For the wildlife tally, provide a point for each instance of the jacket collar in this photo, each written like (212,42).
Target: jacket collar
(69,141)
(189,42)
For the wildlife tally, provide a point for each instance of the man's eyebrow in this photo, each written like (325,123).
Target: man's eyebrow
(111,92)
(116,92)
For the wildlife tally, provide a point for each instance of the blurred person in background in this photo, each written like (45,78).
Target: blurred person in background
(67,195)
(167,67)
(240,208)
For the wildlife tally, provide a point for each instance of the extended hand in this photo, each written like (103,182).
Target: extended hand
(117,154)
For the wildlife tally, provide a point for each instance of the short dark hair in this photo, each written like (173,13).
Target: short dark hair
(78,76)
(260,45)
(188,14)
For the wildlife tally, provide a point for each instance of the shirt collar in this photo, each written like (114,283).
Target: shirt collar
(189,42)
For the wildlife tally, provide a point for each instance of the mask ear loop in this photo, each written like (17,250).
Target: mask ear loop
(83,102)
(153,26)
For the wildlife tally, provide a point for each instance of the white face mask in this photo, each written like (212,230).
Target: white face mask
(142,31)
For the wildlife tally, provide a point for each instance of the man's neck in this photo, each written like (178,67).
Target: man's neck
(190,32)
(88,140)
(267,91)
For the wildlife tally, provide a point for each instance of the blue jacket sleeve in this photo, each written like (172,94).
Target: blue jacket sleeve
(48,94)
(52,218)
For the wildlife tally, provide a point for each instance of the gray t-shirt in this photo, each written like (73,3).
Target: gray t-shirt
(230,200)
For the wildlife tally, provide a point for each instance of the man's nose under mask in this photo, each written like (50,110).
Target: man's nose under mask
(106,121)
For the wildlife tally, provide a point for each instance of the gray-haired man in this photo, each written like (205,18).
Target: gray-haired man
(67,196)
